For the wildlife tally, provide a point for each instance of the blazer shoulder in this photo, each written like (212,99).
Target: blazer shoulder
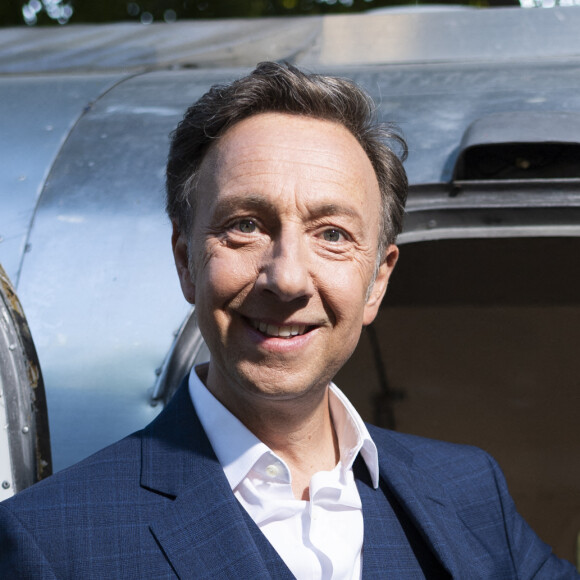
(104,470)
(117,466)
(473,483)
(466,475)
(432,455)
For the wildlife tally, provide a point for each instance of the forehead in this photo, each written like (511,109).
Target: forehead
(301,152)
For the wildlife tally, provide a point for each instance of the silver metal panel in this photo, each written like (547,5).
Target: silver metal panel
(98,282)
(188,350)
(36,115)
(461,35)
(523,127)
(404,36)
(434,105)
(131,46)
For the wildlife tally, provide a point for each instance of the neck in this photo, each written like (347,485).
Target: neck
(307,444)
(299,430)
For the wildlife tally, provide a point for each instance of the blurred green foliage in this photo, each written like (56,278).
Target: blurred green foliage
(43,12)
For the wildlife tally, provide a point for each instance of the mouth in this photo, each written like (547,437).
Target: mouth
(285,331)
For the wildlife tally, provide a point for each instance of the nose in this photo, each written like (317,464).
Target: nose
(285,270)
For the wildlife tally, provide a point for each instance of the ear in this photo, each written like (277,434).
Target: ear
(380,284)
(179,243)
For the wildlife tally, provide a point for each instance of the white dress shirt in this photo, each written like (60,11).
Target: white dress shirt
(320,538)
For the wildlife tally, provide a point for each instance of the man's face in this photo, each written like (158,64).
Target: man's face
(282,254)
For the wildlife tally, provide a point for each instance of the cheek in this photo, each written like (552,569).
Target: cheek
(343,294)
(227,276)
(349,279)
(344,289)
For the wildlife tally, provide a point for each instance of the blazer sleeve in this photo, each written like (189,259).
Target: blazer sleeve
(20,556)
(531,557)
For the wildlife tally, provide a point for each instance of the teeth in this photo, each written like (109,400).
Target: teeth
(280,331)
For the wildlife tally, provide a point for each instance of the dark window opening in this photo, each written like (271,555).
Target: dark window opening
(521,161)
(479,343)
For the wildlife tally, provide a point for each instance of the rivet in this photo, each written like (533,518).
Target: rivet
(5,485)
(432,224)
(25,429)
(11,347)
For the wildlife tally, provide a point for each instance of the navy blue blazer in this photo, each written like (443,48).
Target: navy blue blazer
(157,505)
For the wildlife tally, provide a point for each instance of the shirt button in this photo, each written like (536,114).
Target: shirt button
(272,470)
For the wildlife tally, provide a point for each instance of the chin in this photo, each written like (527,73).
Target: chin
(283,386)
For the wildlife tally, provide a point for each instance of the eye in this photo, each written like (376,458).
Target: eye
(246,226)
(333,235)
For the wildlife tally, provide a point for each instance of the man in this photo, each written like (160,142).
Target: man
(285,204)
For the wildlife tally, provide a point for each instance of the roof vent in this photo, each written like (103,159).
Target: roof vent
(520,146)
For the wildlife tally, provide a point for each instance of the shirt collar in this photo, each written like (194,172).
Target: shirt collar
(238,449)
(353,435)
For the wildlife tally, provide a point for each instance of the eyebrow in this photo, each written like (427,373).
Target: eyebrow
(247,201)
(328,209)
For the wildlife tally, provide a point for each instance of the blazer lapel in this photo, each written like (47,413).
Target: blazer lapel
(426,503)
(204,535)
(202,532)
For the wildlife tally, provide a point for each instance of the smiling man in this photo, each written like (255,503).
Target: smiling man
(281,263)
(286,202)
